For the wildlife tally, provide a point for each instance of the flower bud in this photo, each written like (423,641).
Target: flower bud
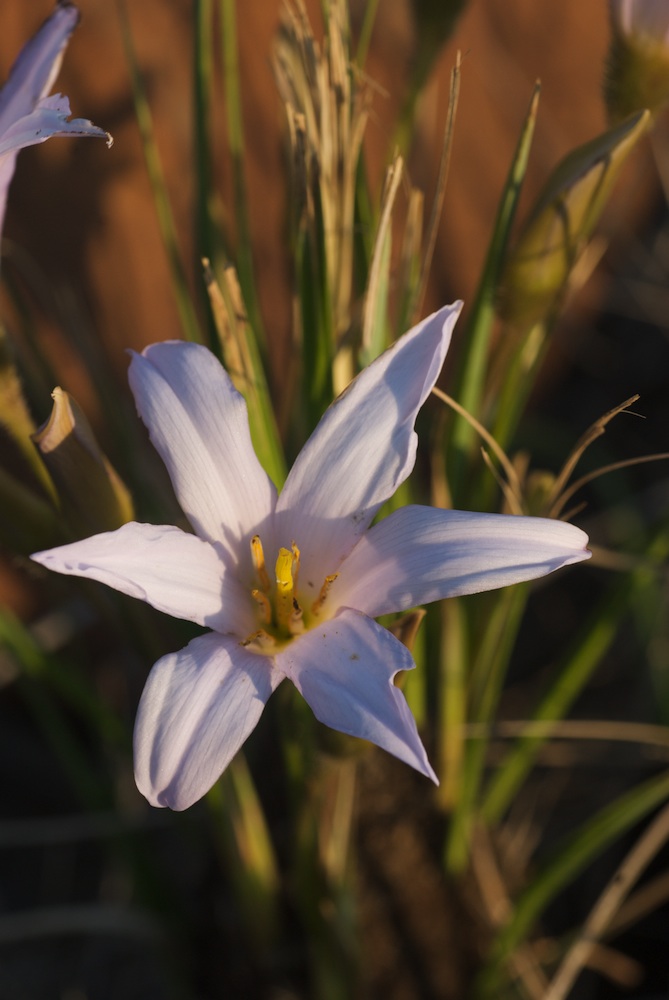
(562,221)
(92,495)
(638,62)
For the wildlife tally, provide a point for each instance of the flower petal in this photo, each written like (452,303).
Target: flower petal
(48,118)
(362,449)
(344,669)
(197,709)
(198,423)
(34,71)
(422,554)
(27,116)
(173,571)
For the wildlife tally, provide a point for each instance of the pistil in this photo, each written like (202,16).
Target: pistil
(285,589)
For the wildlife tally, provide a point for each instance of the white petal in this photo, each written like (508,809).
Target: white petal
(27,116)
(197,709)
(32,75)
(48,118)
(362,449)
(344,669)
(422,554)
(173,571)
(199,424)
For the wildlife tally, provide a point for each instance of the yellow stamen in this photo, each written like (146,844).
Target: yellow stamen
(296,564)
(258,557)
(322,597)
(284,588)
(265,606)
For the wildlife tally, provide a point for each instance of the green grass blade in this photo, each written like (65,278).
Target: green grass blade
(189,321)
(315,335)
(241,357)
(375,312)
(485,687)
(577,667)
(568,861)
(246,845)
(232,87)
(476,340)
(365,36)
(453,702)
(203,80)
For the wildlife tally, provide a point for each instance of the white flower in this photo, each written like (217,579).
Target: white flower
(290,584)
(27,115)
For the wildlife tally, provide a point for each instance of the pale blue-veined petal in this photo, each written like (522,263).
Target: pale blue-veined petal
(171,570)
(198,707)
(36,67)
(422,554)
(50,117)
(362,449)
(27,115)
(344,669)
(199,425)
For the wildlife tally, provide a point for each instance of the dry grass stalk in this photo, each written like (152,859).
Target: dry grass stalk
(608,904)
(327,113)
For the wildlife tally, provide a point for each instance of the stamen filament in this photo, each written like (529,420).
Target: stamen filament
(258,557)
(296,564)
(322,597)
(295,623)
(265,606)
(261,638)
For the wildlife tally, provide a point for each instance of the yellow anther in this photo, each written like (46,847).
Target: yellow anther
(264,604)
(325,590)
(258,557)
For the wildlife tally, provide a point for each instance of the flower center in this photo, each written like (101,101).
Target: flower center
(282,615)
